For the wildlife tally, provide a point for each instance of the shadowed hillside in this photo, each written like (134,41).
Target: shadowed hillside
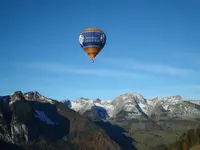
(34,122)
(116,133)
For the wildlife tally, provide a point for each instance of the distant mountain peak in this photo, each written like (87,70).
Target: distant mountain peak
(97,101)
(177,97)
(33,95)
(67,103)
(131,96)
(136,94)
(36,92)
(83,98)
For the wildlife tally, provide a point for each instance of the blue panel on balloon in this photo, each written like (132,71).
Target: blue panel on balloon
(92,38)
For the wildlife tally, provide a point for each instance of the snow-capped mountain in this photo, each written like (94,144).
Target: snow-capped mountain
(133,105)
(126,106)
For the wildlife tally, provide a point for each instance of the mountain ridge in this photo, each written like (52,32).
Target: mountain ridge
(143,123)
(33,121)
(135,104)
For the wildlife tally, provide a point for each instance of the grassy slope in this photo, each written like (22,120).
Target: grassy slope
(148,138)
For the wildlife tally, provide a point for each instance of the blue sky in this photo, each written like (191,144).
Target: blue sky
(152,48)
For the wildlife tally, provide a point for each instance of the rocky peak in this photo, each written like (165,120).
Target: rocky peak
(175,97)
(167,100)
(83,98)
(33,95)
(67,103)
(132,97)
(97,101)
(17,96)
(36,96)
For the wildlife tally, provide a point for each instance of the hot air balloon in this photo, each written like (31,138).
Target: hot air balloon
(92,41)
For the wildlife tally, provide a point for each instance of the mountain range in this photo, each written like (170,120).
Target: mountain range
(129,121)
(133,105)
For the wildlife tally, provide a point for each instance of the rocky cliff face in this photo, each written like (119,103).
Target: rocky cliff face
(33,121)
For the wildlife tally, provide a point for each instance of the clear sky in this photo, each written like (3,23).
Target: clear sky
(153,48)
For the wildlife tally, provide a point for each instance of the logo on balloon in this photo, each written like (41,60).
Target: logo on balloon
(81,39)
(102,37)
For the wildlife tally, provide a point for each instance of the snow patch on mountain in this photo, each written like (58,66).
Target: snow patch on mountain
(81,105)
(109,108)
(166,107)
(144,108)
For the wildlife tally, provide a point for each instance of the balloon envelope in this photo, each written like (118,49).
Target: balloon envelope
(92,41)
